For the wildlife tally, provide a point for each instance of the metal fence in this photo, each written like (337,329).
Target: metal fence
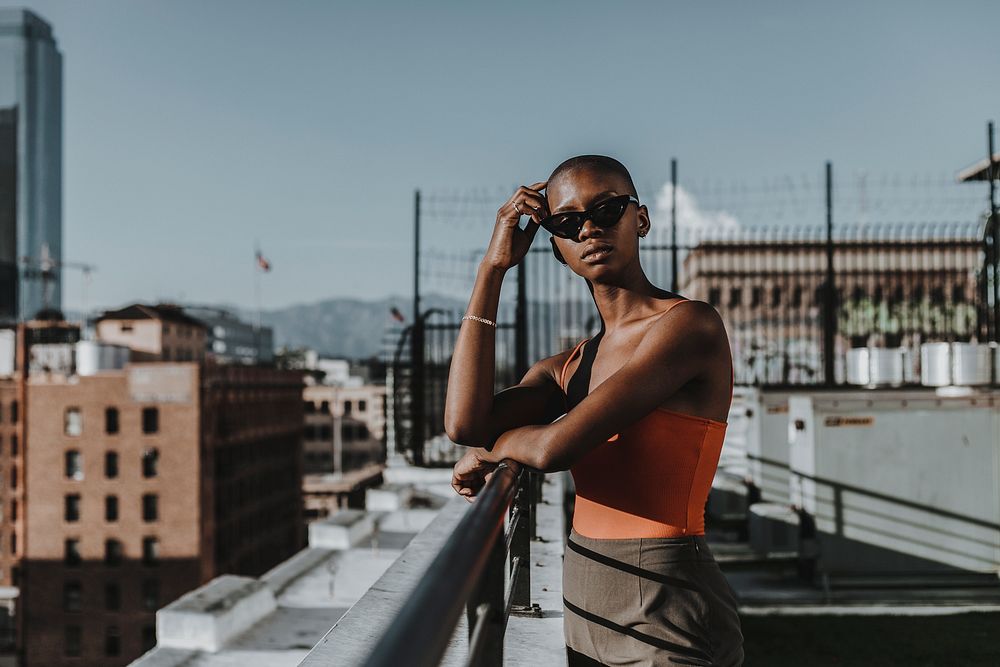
(795,297)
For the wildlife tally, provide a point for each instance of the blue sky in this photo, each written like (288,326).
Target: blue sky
(194,128)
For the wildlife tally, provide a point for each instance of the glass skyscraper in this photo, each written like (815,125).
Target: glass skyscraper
(30,164)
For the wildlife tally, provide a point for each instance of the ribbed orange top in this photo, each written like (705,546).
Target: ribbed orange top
(650,480)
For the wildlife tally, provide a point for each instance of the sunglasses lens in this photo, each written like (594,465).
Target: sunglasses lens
(608,213)
(563,225)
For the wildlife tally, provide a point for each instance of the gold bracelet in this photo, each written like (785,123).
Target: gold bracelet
(479,319)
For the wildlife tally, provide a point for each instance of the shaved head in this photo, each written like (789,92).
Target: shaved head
(600,164)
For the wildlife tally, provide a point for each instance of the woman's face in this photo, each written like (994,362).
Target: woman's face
(579,190)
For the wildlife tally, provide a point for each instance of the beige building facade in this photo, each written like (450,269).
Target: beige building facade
(889,293)
(154,333)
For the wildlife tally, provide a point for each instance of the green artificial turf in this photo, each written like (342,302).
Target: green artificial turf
(963,640)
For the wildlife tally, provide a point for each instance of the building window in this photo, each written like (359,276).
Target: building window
(150,550)
(74,464)
(150,507)
(71,646)
(72,422)
(151,594)
(72,596)
(13,412)
(347,431)
(362,431)
(111,464)
(326,432)
(150,462)
(310,432)
(714,296)
(13,477)
(126,327)
(112,596)
(13,544)
(112,641)
(150,420)
(756,296)
(13,510)
(347,407)
(71,552)
(111,420)
(112,552)
(735,297)
(775,296)
(148,637)
(110,508)
(324,407)
(71,507)
(309,407)
(362,405)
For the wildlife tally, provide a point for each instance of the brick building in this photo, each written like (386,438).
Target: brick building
(143,483)
(161,332)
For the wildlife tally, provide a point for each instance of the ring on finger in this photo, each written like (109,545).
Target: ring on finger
(517,206)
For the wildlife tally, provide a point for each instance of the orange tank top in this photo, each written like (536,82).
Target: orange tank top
(650,480)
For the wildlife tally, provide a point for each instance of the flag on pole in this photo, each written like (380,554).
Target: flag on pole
(396,314)
(263,263)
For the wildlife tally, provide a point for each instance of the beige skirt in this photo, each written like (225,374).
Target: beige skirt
(648,601)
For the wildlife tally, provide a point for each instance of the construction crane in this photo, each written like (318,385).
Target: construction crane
(45,268)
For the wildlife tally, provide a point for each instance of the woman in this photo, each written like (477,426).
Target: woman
(645,408)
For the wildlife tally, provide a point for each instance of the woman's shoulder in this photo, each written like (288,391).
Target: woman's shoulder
(695,311)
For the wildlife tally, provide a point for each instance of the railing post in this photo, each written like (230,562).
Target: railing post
(523,508)
(488,598)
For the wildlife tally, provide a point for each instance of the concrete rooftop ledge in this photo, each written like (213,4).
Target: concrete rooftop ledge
(342,530)
(208,617)
(284,574)
(388,497)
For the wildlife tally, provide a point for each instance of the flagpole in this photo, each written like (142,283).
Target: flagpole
(256,276)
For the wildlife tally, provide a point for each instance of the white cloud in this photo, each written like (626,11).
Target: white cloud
(691,218)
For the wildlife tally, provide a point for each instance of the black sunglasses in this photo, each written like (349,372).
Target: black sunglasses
(567,225)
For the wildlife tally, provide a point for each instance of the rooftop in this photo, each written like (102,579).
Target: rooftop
(162,311)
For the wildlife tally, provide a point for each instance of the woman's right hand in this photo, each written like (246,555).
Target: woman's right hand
(472,471)
(510,243)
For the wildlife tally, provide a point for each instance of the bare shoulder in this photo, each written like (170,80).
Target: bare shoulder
(689,326)
(693,314)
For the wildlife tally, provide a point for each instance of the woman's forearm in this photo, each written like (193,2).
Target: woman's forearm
(530,445)
(471,376)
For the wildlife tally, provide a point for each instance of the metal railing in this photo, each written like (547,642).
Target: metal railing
(482,568)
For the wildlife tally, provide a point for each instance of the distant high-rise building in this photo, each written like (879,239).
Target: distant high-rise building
(30,163)
(231,340)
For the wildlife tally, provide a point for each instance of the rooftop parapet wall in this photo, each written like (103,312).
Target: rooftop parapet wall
(208,617)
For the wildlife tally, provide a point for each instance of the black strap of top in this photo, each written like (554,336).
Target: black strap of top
(579,382)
